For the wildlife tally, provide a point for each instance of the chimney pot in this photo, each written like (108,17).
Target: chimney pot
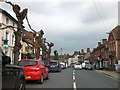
(99,43)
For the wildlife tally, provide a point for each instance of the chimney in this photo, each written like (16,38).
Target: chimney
(104,41)
(88,49)
(94,48)
(82,51)
(99,43)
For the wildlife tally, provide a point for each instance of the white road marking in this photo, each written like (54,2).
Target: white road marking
(73,73)
(73,77)
(74,86)
(74,83)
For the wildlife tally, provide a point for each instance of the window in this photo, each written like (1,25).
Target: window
(13,39)
(13,24)
(27,63)
(7,21)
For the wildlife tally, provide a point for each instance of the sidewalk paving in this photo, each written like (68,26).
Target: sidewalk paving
(111,74)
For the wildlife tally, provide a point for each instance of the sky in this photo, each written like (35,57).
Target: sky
(70,24)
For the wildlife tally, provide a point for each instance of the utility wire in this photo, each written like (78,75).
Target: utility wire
(100,16)
(104,17)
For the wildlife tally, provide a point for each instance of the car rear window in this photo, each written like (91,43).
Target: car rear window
(53,63)
(27,63)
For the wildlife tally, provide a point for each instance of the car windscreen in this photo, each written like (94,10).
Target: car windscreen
(53,63)
(87,63)
(77,63)
(27,63)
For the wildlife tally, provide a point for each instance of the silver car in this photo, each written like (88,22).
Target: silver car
(89,67)
(78,66)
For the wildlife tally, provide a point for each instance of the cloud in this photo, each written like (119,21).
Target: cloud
(71,25)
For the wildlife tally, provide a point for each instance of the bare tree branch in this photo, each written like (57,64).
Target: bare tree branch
(7,26)
(9,3)
(30,25)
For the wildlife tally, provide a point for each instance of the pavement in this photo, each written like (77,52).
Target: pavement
(111,74)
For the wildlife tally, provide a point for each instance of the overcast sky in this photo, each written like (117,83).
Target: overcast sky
(70,24)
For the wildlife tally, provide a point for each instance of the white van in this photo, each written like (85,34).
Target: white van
(84,63)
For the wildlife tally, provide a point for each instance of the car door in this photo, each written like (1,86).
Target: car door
(0,70)
(8,74)
(8,77)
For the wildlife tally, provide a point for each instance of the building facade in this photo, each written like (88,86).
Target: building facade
(100,55)
(7,36)
(114,46)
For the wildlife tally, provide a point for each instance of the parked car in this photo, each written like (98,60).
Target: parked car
(117,66)
(34,69)
(85,63)
(78,66)
(54,65)
(12,76)
(89,67)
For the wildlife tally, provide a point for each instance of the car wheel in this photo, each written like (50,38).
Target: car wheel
(59,70)
(48,77)
(20,85)
(41,80)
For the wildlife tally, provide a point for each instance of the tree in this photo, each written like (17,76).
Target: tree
(39,40)
(56,55)
(20,17)
(50,45)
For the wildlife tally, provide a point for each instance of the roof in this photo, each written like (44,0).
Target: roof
(116,33)
(7,14)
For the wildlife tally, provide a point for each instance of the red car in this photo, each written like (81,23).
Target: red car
(34,69)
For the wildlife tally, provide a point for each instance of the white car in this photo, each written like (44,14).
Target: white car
(62,65)
(78,66)
(85,63)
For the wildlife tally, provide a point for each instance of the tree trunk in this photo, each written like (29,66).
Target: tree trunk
(17,46)
(38,53)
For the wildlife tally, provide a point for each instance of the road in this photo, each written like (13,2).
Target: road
(75,79)
(0,80)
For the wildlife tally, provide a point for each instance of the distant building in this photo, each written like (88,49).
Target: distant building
(100,55)
(87,54)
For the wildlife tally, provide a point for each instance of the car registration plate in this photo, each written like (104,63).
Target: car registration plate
(27,77)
